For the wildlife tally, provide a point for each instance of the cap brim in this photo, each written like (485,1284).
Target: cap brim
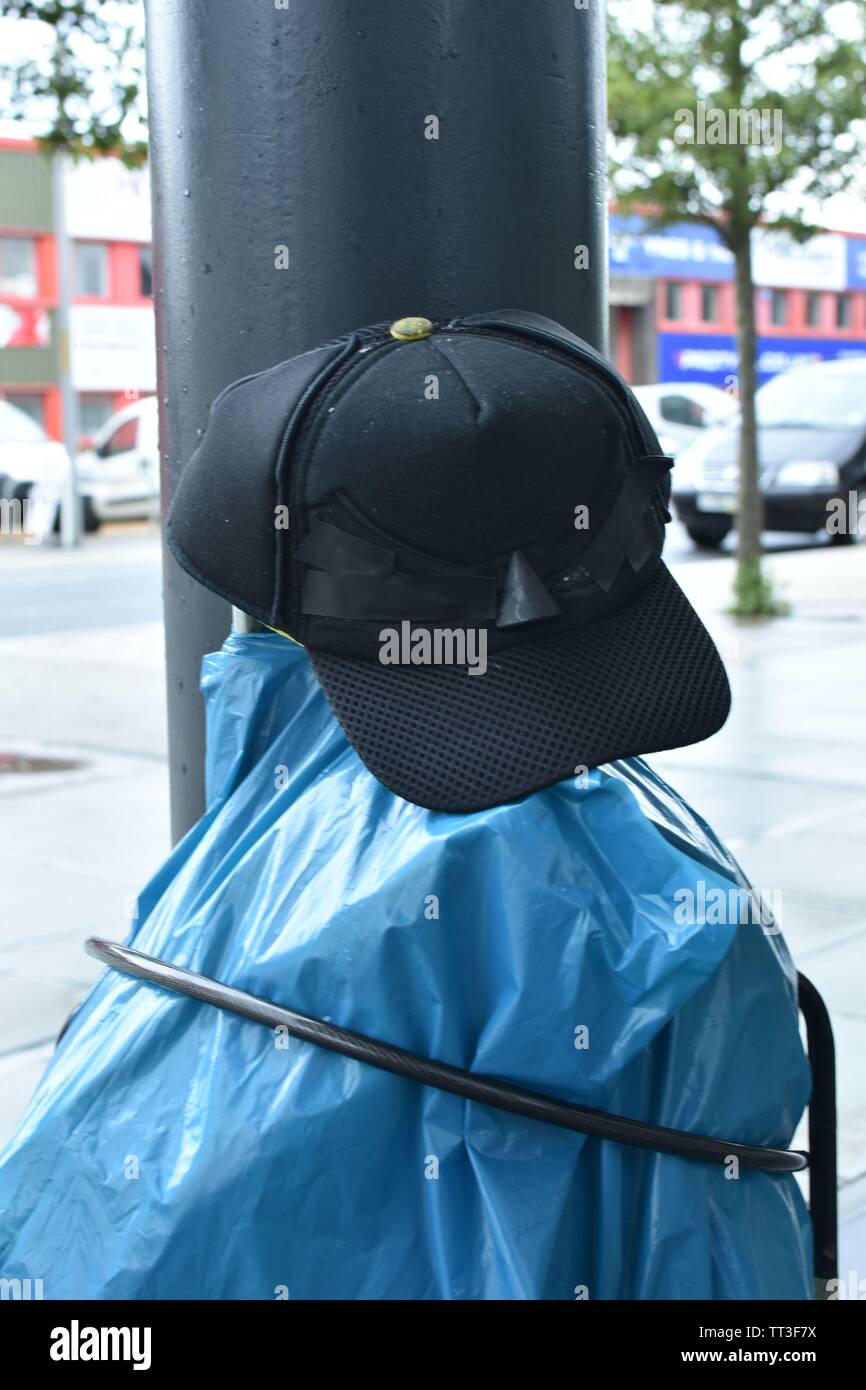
(646,679)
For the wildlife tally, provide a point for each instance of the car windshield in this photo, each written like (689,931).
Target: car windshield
(18,428)
(812,400)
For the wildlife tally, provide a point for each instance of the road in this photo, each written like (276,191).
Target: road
(115,579)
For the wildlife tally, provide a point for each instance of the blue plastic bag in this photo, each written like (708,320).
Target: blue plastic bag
(175,1151)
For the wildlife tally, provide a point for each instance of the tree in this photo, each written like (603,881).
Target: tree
(83,90)
(730,113)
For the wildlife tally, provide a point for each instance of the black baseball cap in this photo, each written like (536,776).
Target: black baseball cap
(462,522)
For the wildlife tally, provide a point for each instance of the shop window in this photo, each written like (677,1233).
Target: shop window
(18,277)
(93,413)
(778,308)
(843,311)
(709,303)
(32,405)
(145,272)
(813,309)
(91,269)
(673,300)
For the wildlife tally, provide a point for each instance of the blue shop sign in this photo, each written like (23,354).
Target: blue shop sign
(686,250)
(712,357)
(856,263)
(692,251)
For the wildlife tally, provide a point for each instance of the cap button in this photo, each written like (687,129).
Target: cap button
(407,330)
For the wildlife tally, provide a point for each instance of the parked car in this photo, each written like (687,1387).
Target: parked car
(27,455)
(681,412)
(118,475)
(811,455)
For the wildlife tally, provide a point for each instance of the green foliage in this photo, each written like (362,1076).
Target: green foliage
(85,90)
(755,595)
(804,64)
(802,58)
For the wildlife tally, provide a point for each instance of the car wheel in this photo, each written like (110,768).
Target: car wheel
(851,535)
(91,521)
(22,493)
(708,537)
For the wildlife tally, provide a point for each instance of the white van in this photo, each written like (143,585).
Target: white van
(118,476)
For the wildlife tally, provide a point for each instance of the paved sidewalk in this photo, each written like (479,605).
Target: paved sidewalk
(784,784)
(75,846)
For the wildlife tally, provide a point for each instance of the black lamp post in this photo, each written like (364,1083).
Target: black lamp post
(323,164)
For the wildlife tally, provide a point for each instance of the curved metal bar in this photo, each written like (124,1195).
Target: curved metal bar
(487,1090)
(823,1177)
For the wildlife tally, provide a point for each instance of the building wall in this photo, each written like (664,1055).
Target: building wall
(798,297)
(792,324)
(113,353)
(113,348)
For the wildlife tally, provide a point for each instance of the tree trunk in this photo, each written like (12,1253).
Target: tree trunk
(750,512)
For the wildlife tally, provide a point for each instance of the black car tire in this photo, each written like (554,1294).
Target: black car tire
(709,537)
(850,537)
(21,493)
(91,521)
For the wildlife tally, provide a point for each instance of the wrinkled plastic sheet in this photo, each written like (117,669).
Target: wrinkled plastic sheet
(175,1151)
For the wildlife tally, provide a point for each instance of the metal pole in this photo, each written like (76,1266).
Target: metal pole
(429,1071)
(823,1142)
(69,505)
(320,165)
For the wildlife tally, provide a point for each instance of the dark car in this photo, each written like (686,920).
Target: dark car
(811,453)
